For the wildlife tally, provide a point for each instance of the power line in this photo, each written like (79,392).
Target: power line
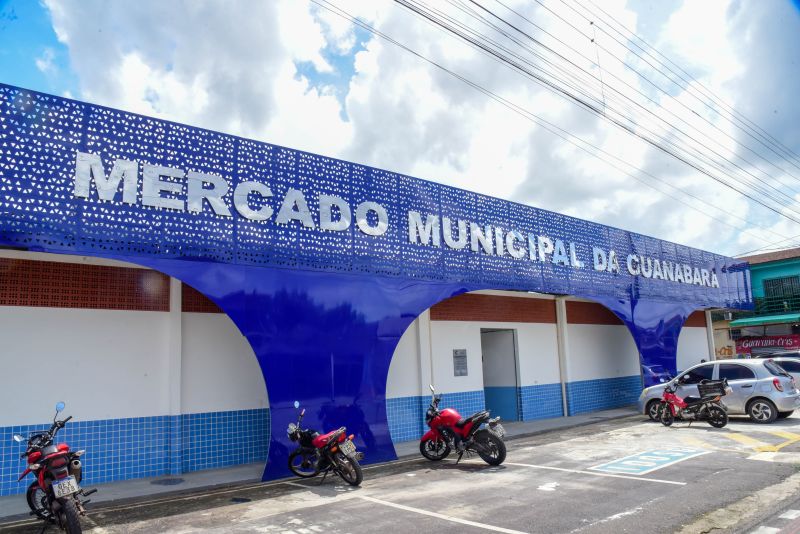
(693,87)
(593,108)
(662,90)
(555,130)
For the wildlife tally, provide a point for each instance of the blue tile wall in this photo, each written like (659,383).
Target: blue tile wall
(120,449)
(220,439)
(466,402)
(602,394)
(406,415)
(541,401)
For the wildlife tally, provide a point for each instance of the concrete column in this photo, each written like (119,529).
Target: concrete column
(424,351)
(563,349)
(175,375)
(712,352)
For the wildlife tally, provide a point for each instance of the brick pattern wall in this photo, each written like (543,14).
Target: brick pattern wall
(52,284)
(590,313)
(697,318)
(470,307)
(194,301)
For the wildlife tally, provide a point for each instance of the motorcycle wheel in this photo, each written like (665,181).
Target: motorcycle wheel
(37,502)
(303,463)
(495,448)
(717,417)
(69,517)
(348,469)
(434,450)
(666,415)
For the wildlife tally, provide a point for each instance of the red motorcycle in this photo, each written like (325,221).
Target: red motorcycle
(54,496)
(707,407)
(322,453)
(450,432)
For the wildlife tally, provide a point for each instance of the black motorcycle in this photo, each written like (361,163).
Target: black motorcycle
(322,453)
(55,496)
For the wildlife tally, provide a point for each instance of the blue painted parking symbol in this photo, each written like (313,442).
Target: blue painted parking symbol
(648,461)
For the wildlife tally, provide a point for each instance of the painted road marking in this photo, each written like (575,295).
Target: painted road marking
(595,473)
(790,514)
(649,461)
(440,516)
(744,439)
(791,438)
(766,530)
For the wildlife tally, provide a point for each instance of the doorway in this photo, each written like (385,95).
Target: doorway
(500,375)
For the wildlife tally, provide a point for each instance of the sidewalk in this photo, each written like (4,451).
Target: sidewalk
(16,507)
(519,429)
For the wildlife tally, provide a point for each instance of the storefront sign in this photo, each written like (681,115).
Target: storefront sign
(746,345)
(90,180)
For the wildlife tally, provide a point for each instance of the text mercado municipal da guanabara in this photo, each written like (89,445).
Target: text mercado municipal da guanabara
(335,215)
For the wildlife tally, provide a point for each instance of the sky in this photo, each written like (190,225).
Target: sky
(293,73)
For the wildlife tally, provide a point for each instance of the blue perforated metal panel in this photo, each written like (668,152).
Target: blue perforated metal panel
(42,136)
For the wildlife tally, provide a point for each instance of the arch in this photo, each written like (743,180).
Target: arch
(323,305)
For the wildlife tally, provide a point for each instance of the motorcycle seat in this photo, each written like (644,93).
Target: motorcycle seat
(690,400)
(476,416)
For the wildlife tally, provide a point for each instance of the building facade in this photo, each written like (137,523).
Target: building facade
(774,324)
(161,382)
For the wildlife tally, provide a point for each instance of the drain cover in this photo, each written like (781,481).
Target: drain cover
(167,481)
(240,499)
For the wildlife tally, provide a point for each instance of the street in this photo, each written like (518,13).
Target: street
(627,475)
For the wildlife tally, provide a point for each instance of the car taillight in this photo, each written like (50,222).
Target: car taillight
(777,383)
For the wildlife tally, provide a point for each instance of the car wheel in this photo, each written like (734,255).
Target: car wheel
(762,411)
(784,415)
(654,410)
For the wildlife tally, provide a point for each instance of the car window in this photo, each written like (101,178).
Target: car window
(791,366)
(774,369)
(733,371)
(703,372)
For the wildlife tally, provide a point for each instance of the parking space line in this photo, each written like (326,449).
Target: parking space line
(744,439)
(440,516)
(790,438)
(595,473)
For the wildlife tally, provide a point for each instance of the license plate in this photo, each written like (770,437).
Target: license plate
(348,447)
(498,430)
(64,487)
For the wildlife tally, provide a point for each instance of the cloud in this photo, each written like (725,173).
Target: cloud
(46,62)
(237,67)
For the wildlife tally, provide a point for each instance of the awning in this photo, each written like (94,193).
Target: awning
(767,319)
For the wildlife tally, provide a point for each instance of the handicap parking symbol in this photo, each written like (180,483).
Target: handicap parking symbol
(649,461)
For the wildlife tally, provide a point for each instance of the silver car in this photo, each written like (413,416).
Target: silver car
(760,388)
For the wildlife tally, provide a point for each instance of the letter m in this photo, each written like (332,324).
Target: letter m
(89,167)
(427,234)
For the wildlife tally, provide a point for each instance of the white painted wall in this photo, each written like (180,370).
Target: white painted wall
(449,335)
(102,363)
(600,351)
(692,346)
(536,343)
(538,353)
(219,370)
(404,370)
(499,358)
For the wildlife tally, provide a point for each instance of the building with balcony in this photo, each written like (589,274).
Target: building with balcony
(774,324)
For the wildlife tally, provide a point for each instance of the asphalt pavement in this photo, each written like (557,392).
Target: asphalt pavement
(625,475)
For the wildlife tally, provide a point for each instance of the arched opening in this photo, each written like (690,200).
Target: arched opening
(525,356)
(158,379)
